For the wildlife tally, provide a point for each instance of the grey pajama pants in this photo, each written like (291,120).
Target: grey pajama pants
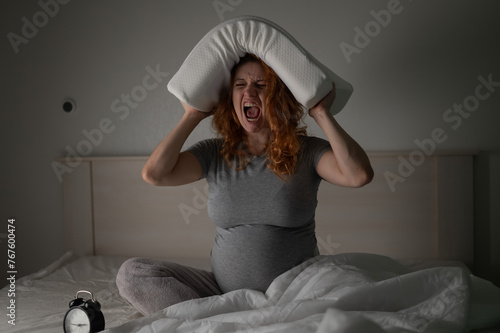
(151,285)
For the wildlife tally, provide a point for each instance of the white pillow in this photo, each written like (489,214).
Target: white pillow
(207,69)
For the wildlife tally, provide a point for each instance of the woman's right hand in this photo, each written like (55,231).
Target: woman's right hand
(189,110)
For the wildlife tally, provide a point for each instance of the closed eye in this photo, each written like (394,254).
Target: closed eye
(241,83)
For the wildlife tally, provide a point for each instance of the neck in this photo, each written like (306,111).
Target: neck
(257,142)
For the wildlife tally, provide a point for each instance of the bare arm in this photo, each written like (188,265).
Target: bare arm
(167,166)
(347,164)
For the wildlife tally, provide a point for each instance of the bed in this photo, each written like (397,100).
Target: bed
(395,255)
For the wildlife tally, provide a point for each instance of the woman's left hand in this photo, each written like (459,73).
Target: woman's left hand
(325,104)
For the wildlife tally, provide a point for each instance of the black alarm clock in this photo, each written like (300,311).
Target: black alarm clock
(83,316)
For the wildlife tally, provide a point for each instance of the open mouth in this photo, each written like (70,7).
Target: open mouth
(252,111)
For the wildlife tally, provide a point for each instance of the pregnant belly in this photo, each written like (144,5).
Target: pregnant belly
(252,256)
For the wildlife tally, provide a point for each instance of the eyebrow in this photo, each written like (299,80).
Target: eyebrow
(242,79)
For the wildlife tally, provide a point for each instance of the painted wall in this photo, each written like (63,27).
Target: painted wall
(416,66)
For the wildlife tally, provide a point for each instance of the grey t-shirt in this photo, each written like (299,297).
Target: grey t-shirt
(264,226)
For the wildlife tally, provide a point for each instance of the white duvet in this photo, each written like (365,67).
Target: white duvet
(341,293)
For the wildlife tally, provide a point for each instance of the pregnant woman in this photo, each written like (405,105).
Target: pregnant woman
(263,173)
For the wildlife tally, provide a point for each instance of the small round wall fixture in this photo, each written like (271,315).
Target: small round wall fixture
(69,105)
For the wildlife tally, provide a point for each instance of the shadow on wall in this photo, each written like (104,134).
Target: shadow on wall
(482,219)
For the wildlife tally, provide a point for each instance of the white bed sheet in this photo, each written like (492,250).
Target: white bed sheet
(42,298)
(301,300)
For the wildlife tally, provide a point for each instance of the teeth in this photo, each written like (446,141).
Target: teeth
(250,105)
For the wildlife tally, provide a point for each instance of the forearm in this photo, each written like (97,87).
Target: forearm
(350,158)
(165,156)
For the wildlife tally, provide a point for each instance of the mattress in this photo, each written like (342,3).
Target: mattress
(42,298)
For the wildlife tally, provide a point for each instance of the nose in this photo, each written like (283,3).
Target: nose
(250,90)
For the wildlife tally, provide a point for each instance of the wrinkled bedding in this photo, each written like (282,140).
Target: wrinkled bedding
(341,293)
(42,298)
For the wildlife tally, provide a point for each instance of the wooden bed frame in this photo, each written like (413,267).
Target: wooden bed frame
(416,207)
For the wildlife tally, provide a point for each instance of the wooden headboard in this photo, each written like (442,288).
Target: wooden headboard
(416,207)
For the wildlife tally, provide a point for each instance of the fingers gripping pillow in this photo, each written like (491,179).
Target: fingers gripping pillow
(207,69)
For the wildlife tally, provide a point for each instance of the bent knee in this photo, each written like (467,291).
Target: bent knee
(128,274)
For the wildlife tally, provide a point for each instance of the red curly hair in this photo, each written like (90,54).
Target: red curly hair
(284,114)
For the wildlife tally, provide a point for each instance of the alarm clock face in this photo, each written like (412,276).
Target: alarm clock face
(76,321)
